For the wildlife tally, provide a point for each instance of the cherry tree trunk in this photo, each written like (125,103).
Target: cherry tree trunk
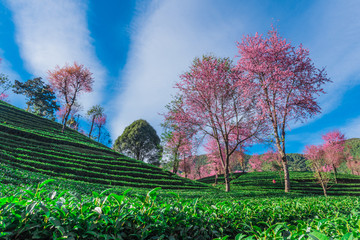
(64,121)
(335,174)
(227,179)
(92,126)
(322,184)
(286,172)
(176,163)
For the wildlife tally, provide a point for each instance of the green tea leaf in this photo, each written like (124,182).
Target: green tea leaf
(46,182)
(318,235)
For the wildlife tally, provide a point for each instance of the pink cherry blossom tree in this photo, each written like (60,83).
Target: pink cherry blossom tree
(177,136)
(285,80)
(3,96)
(214,158)
(69,82)
(274,159)
(354,165)
(5,84)
(315,154)
(256,162)
(334,147)
(99,122)
(214,105)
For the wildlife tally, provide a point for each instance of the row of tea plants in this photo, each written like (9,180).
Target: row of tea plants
(40,212)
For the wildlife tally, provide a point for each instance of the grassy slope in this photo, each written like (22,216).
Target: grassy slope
(36,144)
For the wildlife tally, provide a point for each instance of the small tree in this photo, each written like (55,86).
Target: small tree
(177,144)
(240,158)
(285,81)
(99,123)
(315,154)
(93,113)
(334,148)
(40,97)
(140,141)
(256,162)
(69,82)
(177,137)
(5,84)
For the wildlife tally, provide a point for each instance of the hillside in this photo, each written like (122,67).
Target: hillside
(354,144)
(36,144)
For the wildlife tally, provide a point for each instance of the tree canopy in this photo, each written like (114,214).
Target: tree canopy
(285,82)
(40,97)
(140,141)
(69,82)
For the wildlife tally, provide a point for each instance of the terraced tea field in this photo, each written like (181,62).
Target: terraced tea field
(36,144)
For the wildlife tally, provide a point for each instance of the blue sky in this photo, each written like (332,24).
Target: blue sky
(137,50)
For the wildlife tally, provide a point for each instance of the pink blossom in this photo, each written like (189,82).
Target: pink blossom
(3,96)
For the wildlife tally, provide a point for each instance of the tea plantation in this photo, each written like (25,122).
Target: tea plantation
(33,143)
(66,186)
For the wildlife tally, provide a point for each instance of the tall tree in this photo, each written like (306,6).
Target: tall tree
(40,97)
(140,141)
(214,105)
(93,113)
(69,82)
(285,80)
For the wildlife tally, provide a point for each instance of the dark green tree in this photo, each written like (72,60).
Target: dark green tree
(140,141)
(41,99)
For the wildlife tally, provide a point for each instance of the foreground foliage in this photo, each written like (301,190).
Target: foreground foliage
(42,213)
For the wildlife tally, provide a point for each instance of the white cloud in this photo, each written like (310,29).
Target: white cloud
(333,39)
(352,128)
(330,30)
(168,37)
(51,33)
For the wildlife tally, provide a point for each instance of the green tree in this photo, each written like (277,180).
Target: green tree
(41,99)
(140,141)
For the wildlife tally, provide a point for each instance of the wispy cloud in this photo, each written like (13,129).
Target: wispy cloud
(167,38)
(333,38)
(352,128)
(51,33)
